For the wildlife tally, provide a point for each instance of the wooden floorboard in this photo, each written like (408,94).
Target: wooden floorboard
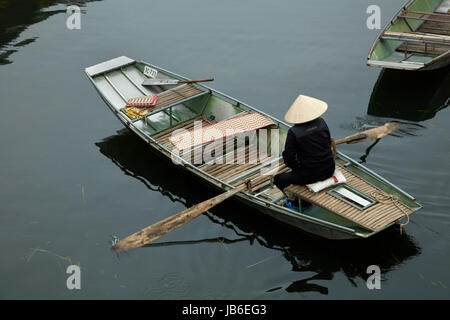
(430,27)
(374,218)
(168,97)
(244,159)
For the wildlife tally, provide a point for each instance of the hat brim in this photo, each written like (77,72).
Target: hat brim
(305,109)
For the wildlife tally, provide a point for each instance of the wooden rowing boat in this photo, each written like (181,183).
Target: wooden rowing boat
(334,214)
(416,38)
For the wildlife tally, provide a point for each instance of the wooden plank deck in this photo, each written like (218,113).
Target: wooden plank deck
(441,27)
(373,218)
(177,94)
(433,49)
(244,159)
(163,136)
(382,213)
(169,97)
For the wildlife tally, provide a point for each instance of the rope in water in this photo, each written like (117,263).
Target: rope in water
(386,198)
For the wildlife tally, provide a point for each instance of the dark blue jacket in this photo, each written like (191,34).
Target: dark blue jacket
(308,148)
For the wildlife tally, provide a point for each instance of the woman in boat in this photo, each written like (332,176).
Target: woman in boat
(307,149)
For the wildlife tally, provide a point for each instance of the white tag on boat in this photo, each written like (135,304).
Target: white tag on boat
(347,194)
(150,72)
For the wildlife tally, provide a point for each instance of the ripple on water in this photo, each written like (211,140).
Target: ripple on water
(171,285)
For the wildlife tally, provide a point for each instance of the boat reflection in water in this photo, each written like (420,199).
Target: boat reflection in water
(411,96)
(304,252)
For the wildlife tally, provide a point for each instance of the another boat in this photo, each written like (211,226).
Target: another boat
(416,38)
(365,205)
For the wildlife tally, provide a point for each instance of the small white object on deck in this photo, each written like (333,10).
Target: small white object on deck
(352,196)
(336,179)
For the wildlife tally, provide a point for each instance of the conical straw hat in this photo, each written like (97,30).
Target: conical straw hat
(305,109)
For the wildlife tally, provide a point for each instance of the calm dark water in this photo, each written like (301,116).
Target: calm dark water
(71,177)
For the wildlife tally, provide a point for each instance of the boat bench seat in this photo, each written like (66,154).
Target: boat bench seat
(383,212)
(417,37)
(437,26)
(220,130)
(422,48)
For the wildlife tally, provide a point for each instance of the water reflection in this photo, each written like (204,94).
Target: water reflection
(412,96)
(404,95)
(304,252)
(17,15)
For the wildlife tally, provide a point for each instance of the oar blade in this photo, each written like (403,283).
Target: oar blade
(163,227)
(370,134)
(376,133)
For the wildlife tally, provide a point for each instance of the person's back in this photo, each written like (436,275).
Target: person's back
(312,147)
(308,150)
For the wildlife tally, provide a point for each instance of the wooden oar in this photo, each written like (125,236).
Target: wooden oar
(161,82)
(163,227)
(370,134)
(159,229)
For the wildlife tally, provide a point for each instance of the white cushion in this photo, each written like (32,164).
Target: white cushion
(337,178)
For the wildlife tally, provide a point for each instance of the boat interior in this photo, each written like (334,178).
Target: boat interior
(419,34)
